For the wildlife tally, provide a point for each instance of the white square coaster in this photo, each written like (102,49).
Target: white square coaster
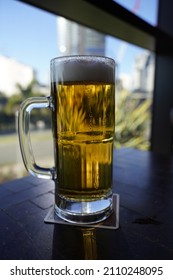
(112,222)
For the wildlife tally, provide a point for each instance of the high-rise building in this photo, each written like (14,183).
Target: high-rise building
(143,73)
(76,39)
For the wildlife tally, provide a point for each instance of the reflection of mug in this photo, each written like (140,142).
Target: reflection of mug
(83,120)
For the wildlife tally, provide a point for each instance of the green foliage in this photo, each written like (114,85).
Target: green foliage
(9,106)
(27,91)
(132,119)
(13,104)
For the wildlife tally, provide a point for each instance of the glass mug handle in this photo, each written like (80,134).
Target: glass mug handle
(24,136)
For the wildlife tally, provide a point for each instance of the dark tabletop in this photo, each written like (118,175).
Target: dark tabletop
(144,182)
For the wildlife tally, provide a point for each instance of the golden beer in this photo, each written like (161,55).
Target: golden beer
(83,125)
(83,118)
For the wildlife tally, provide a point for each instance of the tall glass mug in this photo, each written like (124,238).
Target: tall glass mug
(82,102)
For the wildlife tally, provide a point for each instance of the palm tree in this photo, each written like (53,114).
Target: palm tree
(132,120)
(27,91)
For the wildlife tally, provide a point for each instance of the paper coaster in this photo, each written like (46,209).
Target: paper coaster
(110,223)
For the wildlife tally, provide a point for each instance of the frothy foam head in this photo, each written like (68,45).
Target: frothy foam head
(83,68)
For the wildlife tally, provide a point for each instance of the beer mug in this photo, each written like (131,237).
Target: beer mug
(82,104)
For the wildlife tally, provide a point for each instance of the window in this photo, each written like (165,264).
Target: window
(33,39)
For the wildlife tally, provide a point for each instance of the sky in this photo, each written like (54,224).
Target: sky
(146,9)
(29,35)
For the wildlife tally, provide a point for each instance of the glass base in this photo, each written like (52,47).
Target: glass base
(89,212)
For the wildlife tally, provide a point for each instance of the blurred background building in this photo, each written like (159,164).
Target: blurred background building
(76,39)
(143,75)
(13,72)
